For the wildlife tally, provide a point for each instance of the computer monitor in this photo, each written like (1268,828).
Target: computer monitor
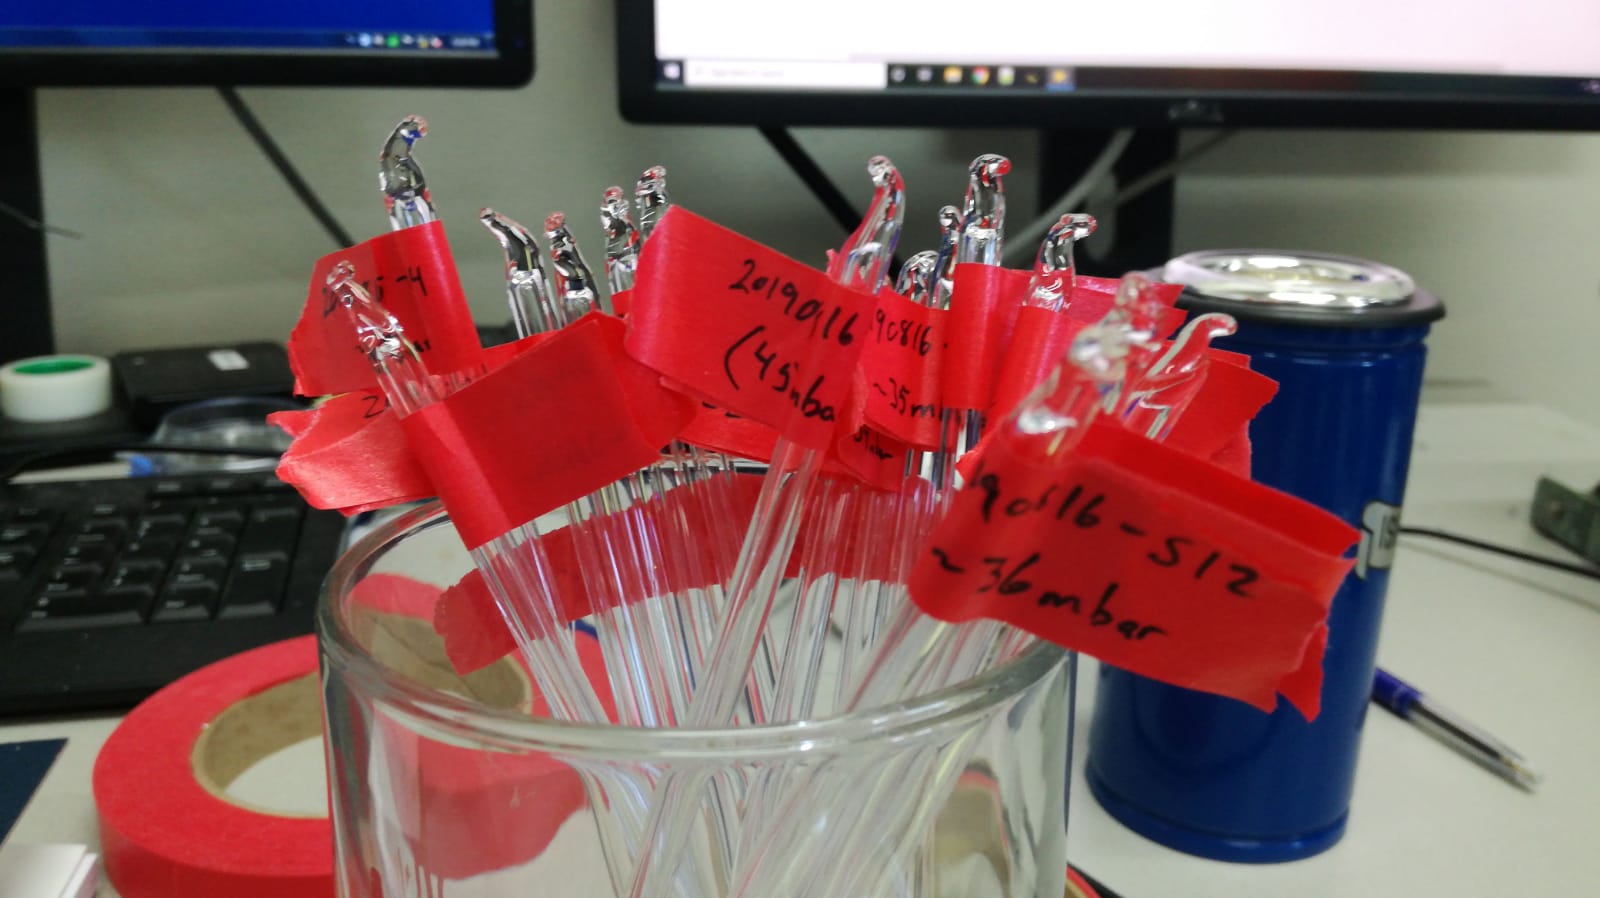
(286,42)
(1159,66)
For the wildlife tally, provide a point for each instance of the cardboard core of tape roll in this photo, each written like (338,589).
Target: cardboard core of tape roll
(413,649)
(245,733)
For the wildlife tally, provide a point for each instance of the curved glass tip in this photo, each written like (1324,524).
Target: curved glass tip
(575,288)
(527,288)
(863,261)
(622,240)
(405,190)
(650,199)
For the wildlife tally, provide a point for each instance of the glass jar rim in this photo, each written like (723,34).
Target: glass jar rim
(949,707)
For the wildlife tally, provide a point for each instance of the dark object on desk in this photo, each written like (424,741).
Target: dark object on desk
(19,439)
(1568,516)
(110,589)
(155,381)
(1211,776)
(22,768)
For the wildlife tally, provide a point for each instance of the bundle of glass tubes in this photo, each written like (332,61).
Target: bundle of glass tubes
(729,592)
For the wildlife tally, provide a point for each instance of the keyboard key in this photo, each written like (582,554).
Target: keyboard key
(152,573)
(163,488)
(209,541)
(271,530)
(226,485)
(24,533)
(184,602)
(200,569)
(225,518)
(150,550)
(111,529)
(73,578)
(256,587)
(99,553)
(81,612)
(33,514)
(17,560)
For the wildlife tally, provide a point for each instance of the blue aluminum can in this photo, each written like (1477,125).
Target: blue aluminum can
(1213,776)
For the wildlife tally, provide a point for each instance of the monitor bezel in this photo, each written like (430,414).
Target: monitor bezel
(1444,106)
(511,65)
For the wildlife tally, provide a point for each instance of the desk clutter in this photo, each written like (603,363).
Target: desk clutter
(752,578)
(111,589)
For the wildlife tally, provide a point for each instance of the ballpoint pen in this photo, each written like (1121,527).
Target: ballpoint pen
(1411,705)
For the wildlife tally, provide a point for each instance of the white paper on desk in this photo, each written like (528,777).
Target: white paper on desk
(48,871)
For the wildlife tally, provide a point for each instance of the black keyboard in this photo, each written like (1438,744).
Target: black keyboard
(110,589)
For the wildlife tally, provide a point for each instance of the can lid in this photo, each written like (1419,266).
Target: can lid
(1300,287)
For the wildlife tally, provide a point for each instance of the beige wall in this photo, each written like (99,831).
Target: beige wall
(190,236)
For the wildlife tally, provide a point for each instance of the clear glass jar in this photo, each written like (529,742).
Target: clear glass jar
(444,785)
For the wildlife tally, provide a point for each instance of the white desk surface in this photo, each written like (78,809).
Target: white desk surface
(1510,646)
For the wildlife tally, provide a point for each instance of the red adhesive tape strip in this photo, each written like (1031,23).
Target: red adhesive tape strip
(164,834)
(167,831)
(1148,559)
(413,274)
(349,454)
(746,328)
(582,414)
(901,365)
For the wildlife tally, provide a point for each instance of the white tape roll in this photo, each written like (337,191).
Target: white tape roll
(55,388)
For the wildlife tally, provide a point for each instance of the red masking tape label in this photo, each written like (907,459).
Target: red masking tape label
(1148,559)
(866,455)
(349,454)
(1093,297)
(901,367)
(720,430)
(1039,344)
(563,418)
(983,304)
(747,328)
(412,274)
(621,303)
(1229,397)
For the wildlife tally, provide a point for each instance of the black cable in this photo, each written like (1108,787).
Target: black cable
(1581,570)
(301,189)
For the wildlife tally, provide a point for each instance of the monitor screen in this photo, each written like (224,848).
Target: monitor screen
(349,42)
(1044,63)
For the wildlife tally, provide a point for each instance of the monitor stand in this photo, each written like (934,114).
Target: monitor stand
(1138,235)
(25,328)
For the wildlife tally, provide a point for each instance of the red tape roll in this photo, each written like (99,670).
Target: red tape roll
(168,831)
(166,835)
